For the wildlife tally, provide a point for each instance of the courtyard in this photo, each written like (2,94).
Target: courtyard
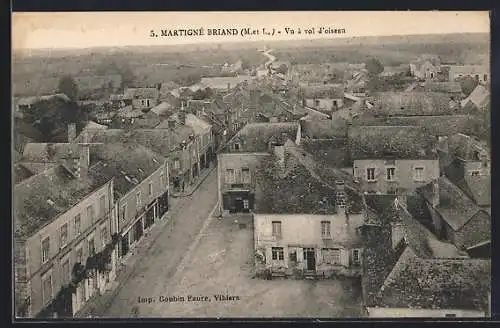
(216,281)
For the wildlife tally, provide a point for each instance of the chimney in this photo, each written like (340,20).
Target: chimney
(71,132)
(435,193)
(340,196)
(182,117)
(397,233)
(84,161)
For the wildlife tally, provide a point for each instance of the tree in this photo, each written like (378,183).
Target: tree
(468,84)
(374,66)
(283,69)
(67,85)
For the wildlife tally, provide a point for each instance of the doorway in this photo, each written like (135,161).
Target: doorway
(238,205)
(310,258)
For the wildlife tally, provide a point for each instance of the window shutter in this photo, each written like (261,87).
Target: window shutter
(344,257)
(251,200)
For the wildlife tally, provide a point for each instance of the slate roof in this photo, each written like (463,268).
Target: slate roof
(41,198)
(480,97)
(326,152)
(35,99)
(46,152)
(324,129)
(465,147)
(255,136)
(163,108)
(198,125)
(454,206)
(449,87)
(441,125)
(128,162)
(411,275)
(222,82)
(333,91)
(295,190)
(148,120)
(400,142)
(21,173)
(437,284)
(413,103)
(478,188)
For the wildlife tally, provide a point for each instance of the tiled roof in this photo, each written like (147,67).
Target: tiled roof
(326,153)
(401,142)
(333,91)
(148,120)
(128,162)
(413,103)
(454,206)
(40,199)
(440,125)
(324,129)
(163,108)
(437,284)
(255,136)
(137,93)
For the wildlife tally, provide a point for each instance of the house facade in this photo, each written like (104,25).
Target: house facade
(392,159)
(142,98)
(58,240)
(479,72)
(204,140)
(236,181)
(295,244)
(324,97)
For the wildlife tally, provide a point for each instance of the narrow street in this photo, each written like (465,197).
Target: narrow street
(160,262)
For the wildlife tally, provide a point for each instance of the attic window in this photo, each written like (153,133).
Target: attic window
(50,202)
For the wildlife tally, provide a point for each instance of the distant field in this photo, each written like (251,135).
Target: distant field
(389,55)
(36,75)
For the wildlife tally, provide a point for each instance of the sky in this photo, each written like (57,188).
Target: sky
(98,29)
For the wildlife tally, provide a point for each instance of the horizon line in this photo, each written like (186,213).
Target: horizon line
(242,41)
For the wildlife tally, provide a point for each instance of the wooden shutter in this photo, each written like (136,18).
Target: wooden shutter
(344,257)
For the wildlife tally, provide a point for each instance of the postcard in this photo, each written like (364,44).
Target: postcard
(251,165)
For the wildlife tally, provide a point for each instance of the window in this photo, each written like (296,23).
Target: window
(331,255)
(245,173)
(356,256)
(236,146)
(147,102)
(474,173)
(370,174)
(476,77)
(177,164)
(79,255)
(245,203)
(316,102)
(64,235)
(390,173)
(78,224)
(142,102)
(325,228)
(150,189)
(47,288)
(91,246)
(102,205)
(66,274)
(340,199)
(278,254)
(90,213)
(123,212)
(45,249)
(485,77)
(419,174)
(138,199)
(230,178)
(276,228)
(104,236)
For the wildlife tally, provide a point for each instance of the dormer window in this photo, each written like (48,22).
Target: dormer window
(236,146)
